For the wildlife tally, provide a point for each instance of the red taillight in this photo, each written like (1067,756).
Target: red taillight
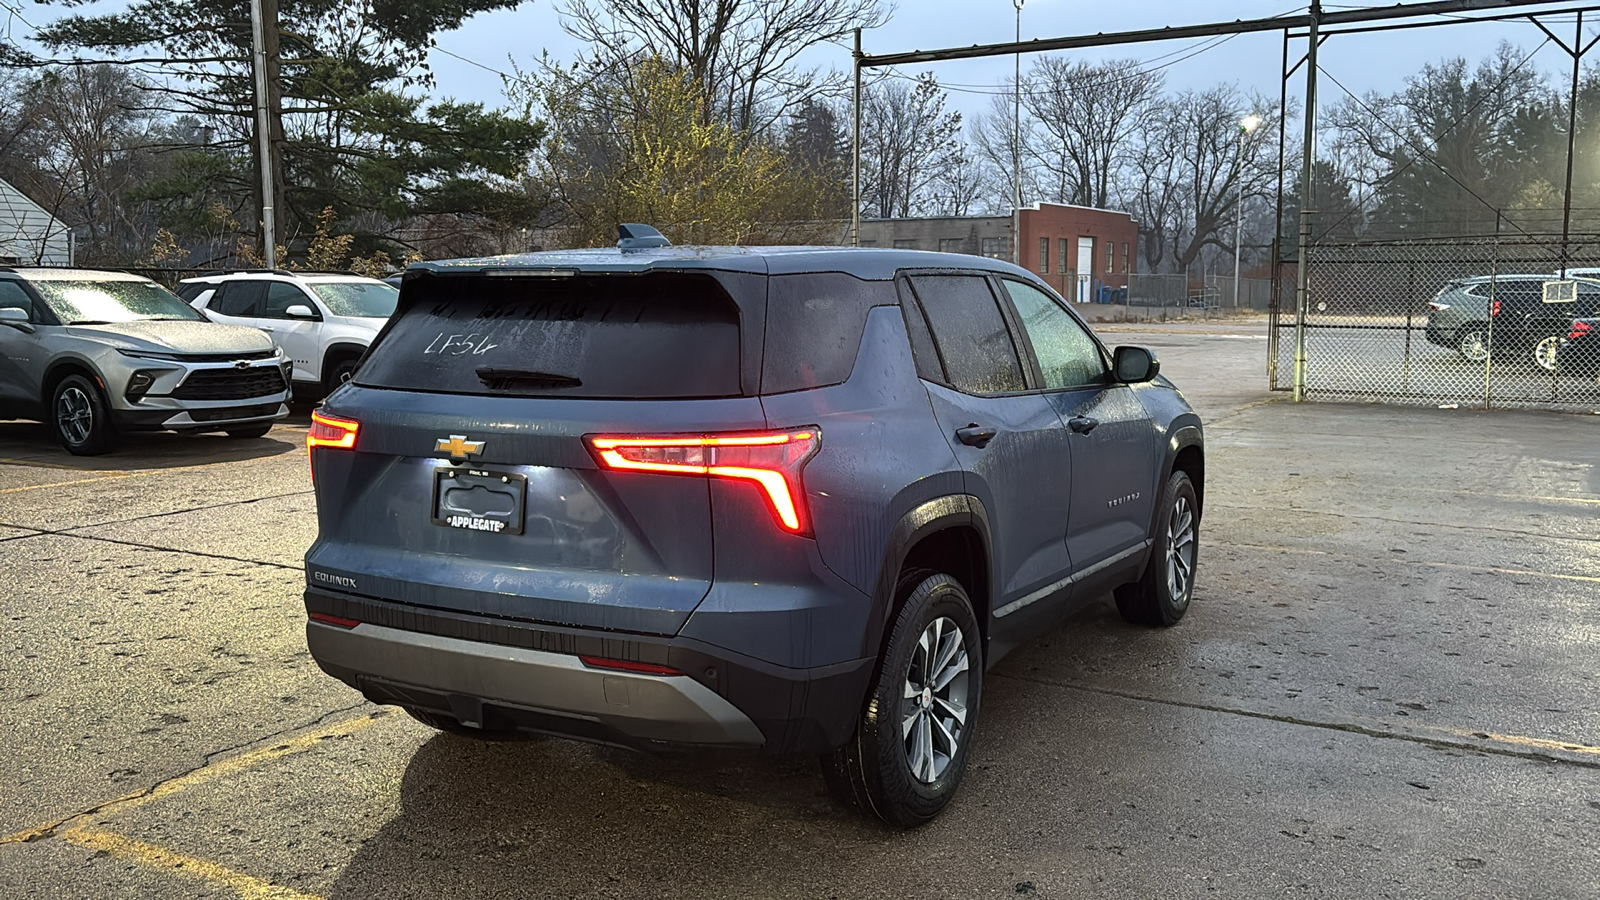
(771,460)
(326,619)
(331,432)
(623,665)
(1494,308)
(1579,328)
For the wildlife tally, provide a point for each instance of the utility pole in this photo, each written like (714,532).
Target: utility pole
(1302,287)
(269,121)
(855,150)
(1016,146)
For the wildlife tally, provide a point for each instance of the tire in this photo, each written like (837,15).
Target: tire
(899,765)
(1472,342)
(81,417)
(254,431)
(449,725)
(1546,354)
(1162,593)
(339,373)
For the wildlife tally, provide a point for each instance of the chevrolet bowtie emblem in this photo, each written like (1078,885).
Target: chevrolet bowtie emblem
(458,446)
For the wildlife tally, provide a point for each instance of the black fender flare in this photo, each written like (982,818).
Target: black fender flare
(926,518)
(339,350)
(1185,432)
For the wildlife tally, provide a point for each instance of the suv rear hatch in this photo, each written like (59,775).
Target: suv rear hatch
(471,484)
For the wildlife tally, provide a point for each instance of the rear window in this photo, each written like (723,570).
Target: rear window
(660,335)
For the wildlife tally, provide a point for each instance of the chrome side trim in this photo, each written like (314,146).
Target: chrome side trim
(1075,577)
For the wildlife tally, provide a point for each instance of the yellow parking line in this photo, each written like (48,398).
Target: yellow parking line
(35,487)
(223,769)
(248,887)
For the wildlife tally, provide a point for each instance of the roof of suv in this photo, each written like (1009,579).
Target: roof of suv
(51,274)
(862,262)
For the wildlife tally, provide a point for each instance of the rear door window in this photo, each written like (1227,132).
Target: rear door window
(243,299)
(970,333)
(659,335)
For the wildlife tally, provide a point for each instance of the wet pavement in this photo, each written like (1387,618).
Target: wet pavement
(1387,687)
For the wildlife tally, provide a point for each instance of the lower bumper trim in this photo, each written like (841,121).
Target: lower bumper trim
(525,688)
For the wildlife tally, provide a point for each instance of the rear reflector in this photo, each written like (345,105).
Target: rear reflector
(332,432)
(771,460)
(1494,310)
(326,619)
(1579,329)
(623,665)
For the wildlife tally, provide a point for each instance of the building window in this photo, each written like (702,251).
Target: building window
(1061,256)
(994,248)
(1125,268)
(905,244)
(949,245)
(1044,256)
(1111,257)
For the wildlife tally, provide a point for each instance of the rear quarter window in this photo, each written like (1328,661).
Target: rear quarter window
(814,327)
(658,335)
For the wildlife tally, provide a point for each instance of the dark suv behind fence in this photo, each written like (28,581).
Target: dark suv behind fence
(789,499)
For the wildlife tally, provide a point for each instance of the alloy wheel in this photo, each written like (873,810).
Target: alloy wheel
(1473,346)
(74,415)
(933,709)
(1546,353)
(1180,550)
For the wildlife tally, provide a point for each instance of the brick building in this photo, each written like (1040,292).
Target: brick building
(1077,249)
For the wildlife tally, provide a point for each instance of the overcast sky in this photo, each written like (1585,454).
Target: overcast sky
(1361,62)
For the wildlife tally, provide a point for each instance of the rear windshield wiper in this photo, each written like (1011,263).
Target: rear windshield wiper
(508,379)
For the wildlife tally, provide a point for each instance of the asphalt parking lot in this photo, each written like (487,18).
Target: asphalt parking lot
(1387,686)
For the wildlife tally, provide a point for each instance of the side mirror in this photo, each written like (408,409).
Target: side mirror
(15,317)
(1134,365)
(300,311)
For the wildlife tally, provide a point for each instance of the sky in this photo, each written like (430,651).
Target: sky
(1361,63)
(469,60)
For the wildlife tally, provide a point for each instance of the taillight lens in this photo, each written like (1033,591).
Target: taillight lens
(1579,329)
(1436,306)
(332,432)
(772,460)
(1494,308)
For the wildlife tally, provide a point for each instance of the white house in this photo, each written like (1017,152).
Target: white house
(29,234)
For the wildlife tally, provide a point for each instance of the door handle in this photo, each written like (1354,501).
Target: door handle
(1082,424)
(975,435)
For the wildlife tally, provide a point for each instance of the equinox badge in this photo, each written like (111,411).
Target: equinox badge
(458,446)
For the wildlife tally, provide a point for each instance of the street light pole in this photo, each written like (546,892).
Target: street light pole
(1246,125)
(1016,146)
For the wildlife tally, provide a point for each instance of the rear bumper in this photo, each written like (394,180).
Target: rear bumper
(501,674)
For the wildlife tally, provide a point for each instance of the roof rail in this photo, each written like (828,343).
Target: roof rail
(632,236)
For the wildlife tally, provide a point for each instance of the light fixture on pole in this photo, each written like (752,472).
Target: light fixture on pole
(1246,125)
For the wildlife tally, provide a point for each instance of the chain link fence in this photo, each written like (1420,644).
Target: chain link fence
(1480,322)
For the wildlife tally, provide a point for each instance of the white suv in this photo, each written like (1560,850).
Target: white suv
(323,322)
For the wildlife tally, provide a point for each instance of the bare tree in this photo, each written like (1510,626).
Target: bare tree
(1196,166)
(742,53)
(1088,115)
(995,143)
(908,142)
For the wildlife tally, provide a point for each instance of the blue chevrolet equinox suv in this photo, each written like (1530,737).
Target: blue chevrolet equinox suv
(787,499)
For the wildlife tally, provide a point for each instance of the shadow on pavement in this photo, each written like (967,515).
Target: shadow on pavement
(556,818)
(34,444)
